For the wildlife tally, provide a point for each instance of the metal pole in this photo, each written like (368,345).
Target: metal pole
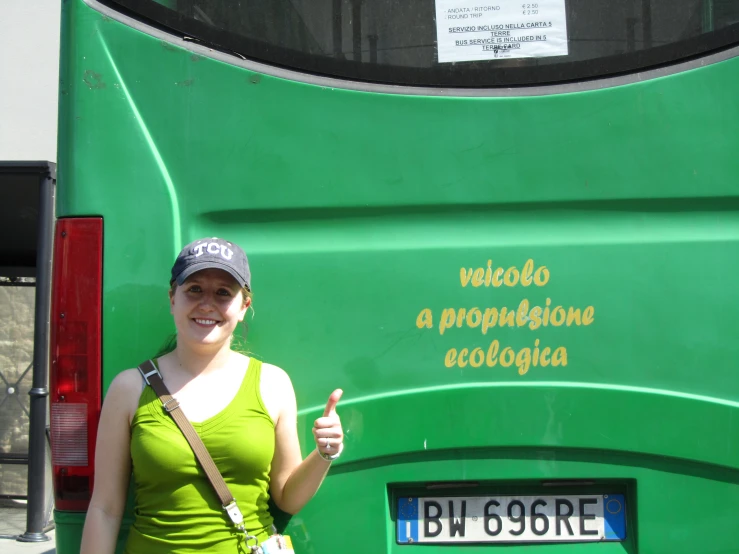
(337,30)
(646,21)
(630,34)
(373,48)
(39,393)
(707,22)
(357,29)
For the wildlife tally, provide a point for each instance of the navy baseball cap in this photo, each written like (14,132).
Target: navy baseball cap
(212,253)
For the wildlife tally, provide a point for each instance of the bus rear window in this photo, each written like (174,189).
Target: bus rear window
(460,43)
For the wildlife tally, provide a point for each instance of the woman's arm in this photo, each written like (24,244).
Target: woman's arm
(294,481)
(112,465)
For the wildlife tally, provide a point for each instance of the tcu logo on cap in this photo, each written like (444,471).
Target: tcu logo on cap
(213,248)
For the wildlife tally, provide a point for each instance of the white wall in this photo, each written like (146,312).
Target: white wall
(29,79)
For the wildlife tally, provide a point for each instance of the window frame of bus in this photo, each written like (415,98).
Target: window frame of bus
(447,75)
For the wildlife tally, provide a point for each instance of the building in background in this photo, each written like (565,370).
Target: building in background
(29,77)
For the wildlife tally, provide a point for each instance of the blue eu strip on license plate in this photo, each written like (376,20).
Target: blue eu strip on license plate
(506,519)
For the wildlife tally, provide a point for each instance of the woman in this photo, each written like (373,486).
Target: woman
(244,411)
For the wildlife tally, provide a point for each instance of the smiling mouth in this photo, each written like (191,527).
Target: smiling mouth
(205,321)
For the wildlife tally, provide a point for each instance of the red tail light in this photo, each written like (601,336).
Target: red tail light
(75,358)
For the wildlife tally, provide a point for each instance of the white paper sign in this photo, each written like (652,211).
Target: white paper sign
(471,30)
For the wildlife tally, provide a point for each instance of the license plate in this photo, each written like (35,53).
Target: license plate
(478,519)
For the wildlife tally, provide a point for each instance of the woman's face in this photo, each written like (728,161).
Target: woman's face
(207,307)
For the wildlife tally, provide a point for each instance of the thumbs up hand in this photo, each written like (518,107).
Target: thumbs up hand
(327,429)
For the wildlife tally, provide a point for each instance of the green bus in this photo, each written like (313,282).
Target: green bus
(508,230)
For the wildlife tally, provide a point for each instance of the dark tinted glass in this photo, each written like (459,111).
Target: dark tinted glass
(395,41)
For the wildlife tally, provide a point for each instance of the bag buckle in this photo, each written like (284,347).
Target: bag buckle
(146,376)
(235,514)
(255,548)
(237,518)
(169,408)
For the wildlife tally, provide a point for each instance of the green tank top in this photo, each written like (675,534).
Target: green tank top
(176,509)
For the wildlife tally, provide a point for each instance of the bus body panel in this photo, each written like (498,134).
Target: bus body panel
(384,229)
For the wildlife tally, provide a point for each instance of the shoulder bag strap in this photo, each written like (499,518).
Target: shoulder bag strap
(151,375)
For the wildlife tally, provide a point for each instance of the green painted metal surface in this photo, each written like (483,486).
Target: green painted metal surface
(359,211)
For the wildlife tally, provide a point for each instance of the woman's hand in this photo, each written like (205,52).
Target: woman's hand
(327,429)
(293,480)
